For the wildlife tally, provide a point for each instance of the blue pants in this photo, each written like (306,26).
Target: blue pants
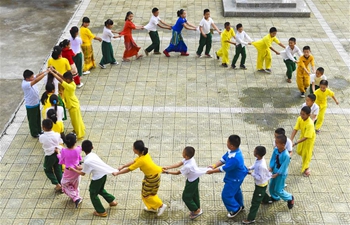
(276,188)
(232,196)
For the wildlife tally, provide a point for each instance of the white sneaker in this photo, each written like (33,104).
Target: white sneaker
(150,210)
(86,72)
(161,210)
(80,85)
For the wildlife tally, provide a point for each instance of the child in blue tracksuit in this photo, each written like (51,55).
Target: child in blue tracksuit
(279,163)
(232,163)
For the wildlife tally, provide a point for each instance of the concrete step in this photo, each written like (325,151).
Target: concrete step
(266,3)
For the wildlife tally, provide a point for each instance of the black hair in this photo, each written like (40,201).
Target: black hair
(293,39)
(324,82)
(320,69)
(108,22)
(205,11)
(273,29)
(68,75)
(86,146)
(282,139)
(260,151)
(189,151)
(155,10)
(235,140)
(50,78)
(54,101)
(27,74)
(227,24)
(86,19)
(306,109)
(47,124)
(51,114)
(49,88)
(280,131)
(64,43)
(312,97)
(140,147)
(239,26)
(127,15)
(306,48)
(57,50)
(74,32)
(71,139)
(180,12)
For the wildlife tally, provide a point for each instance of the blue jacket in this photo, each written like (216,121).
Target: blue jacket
(280,166)
(234,168)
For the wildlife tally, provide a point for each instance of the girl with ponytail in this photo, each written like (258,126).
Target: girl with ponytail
(56,113)
(49,90)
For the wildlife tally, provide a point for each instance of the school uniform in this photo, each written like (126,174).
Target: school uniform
(264,52)
(32,104)
(106,46)
(316,80)
(242,40)
(75,45)
(321,101)
(290,60)
(205,41)
(225,45)
(153,33)
(315,109)
(303,78)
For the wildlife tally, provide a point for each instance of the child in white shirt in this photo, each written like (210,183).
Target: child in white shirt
(310,101)
(191,171)
(242,39)
(316,78)
(288,55)
(289,144)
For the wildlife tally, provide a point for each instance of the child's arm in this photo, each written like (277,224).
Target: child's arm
(313,86)
(215,167)
(139,27)
(272,49)
(38,78)
(336,101)
(77,171)
(216,28)
(98,38)
(173,166)
(178,172)
(56,74)
(282,45)
(201,30)
(122,171)
(167,26)
(126,165)
(189,26)
(298,141)
(294,132)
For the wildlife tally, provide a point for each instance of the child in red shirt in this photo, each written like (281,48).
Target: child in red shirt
(68,53)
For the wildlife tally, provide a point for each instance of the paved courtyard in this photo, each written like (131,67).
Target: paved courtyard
(173,102)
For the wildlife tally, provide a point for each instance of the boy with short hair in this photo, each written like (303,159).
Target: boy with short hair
(226,36)
(310,101)
(153,33)
(279,163)
(316,78)
(305,144)
(99,170)
(288,55)
(303,72)
(205,36)
(190,170)
(263,47)
(289,143)
(232,163)
(242,39)
(261,177)
(51,141)
(32,100)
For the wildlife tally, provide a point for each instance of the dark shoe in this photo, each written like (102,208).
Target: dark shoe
(262,71)
(268,71)
(224,65)
(41,132)
(157,53)
(36,136)
(102,66)
(233,214)
(233,66)
(77,202)
(115,63)
(242,67)
(166,53)
(146,52)
(291,203)
(302,95)
(217,57)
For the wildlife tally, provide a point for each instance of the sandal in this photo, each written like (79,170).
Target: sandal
(307,172)
(125,60)
(104,214)
(139,56)
(194,216)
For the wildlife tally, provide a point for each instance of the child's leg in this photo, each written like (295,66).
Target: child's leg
(77,122)
(306,81)
(279,188)
(239,197)
(94,189)
(238,52)
(260,59)
(225,55)
(202,42)
(272,189)
(268,59)
(34,120)
(155,42)
(78,60)
(150,186)
(289,64)
(190,195)
(208,42)
(228,196)
(306,153)
(320,117)
(49,162)
(258,196)
(300,83)
(244,56)
(57,169)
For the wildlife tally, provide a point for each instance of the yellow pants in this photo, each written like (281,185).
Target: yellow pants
(77,122)
(305,151)
(264,56)
(150,186)
(303,81)
(152,202)
(223,53)
(320,117)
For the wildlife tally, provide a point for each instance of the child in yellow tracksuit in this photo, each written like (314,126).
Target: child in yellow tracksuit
(321,100)
(226,36)
(263,47)
(303,72)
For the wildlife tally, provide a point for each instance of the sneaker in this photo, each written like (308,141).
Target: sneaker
(102,66)
(242,67)
(198,56)
(248,221)
(161,210)
(80,85)
(166,53)
(115,63)
(233,66)
(302,95)
(150,210)
(208,56)
(146,52)
(77,202)
(104,214)
(291,203)
(217,57)
(157,53)
(262,71)
(233,214)
(268,71)
(86,72)
(224,65)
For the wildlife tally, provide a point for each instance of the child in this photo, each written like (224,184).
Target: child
(279,163)
(131,48)
(56,113)
(190,170)
(151,181)
(51,140)
(303,72)
(306,140)
(107,49)
(75,43)
(289,143)
(310,101)
(242,39)
(261,177)
(57,127)
(315,79)
(153,33)
(263,47)
(321,100)
(71,157)
(176,43)
(99,170)
(32,101)
(232,163)
(50,81)
(226,36)
(205,36)
(68,53)
(86,37)
(72,102)
(49,90)
(289,59)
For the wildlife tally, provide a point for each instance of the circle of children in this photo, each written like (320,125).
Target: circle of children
(66,66)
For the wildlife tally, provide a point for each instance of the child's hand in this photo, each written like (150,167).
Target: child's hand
(165,168)
(78,167)
(274,175)
(164,171)
(270,169)
(57,150)
(120,168)
(210,171)
(115,173)
(277,53)
(336,102)
(249,43)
